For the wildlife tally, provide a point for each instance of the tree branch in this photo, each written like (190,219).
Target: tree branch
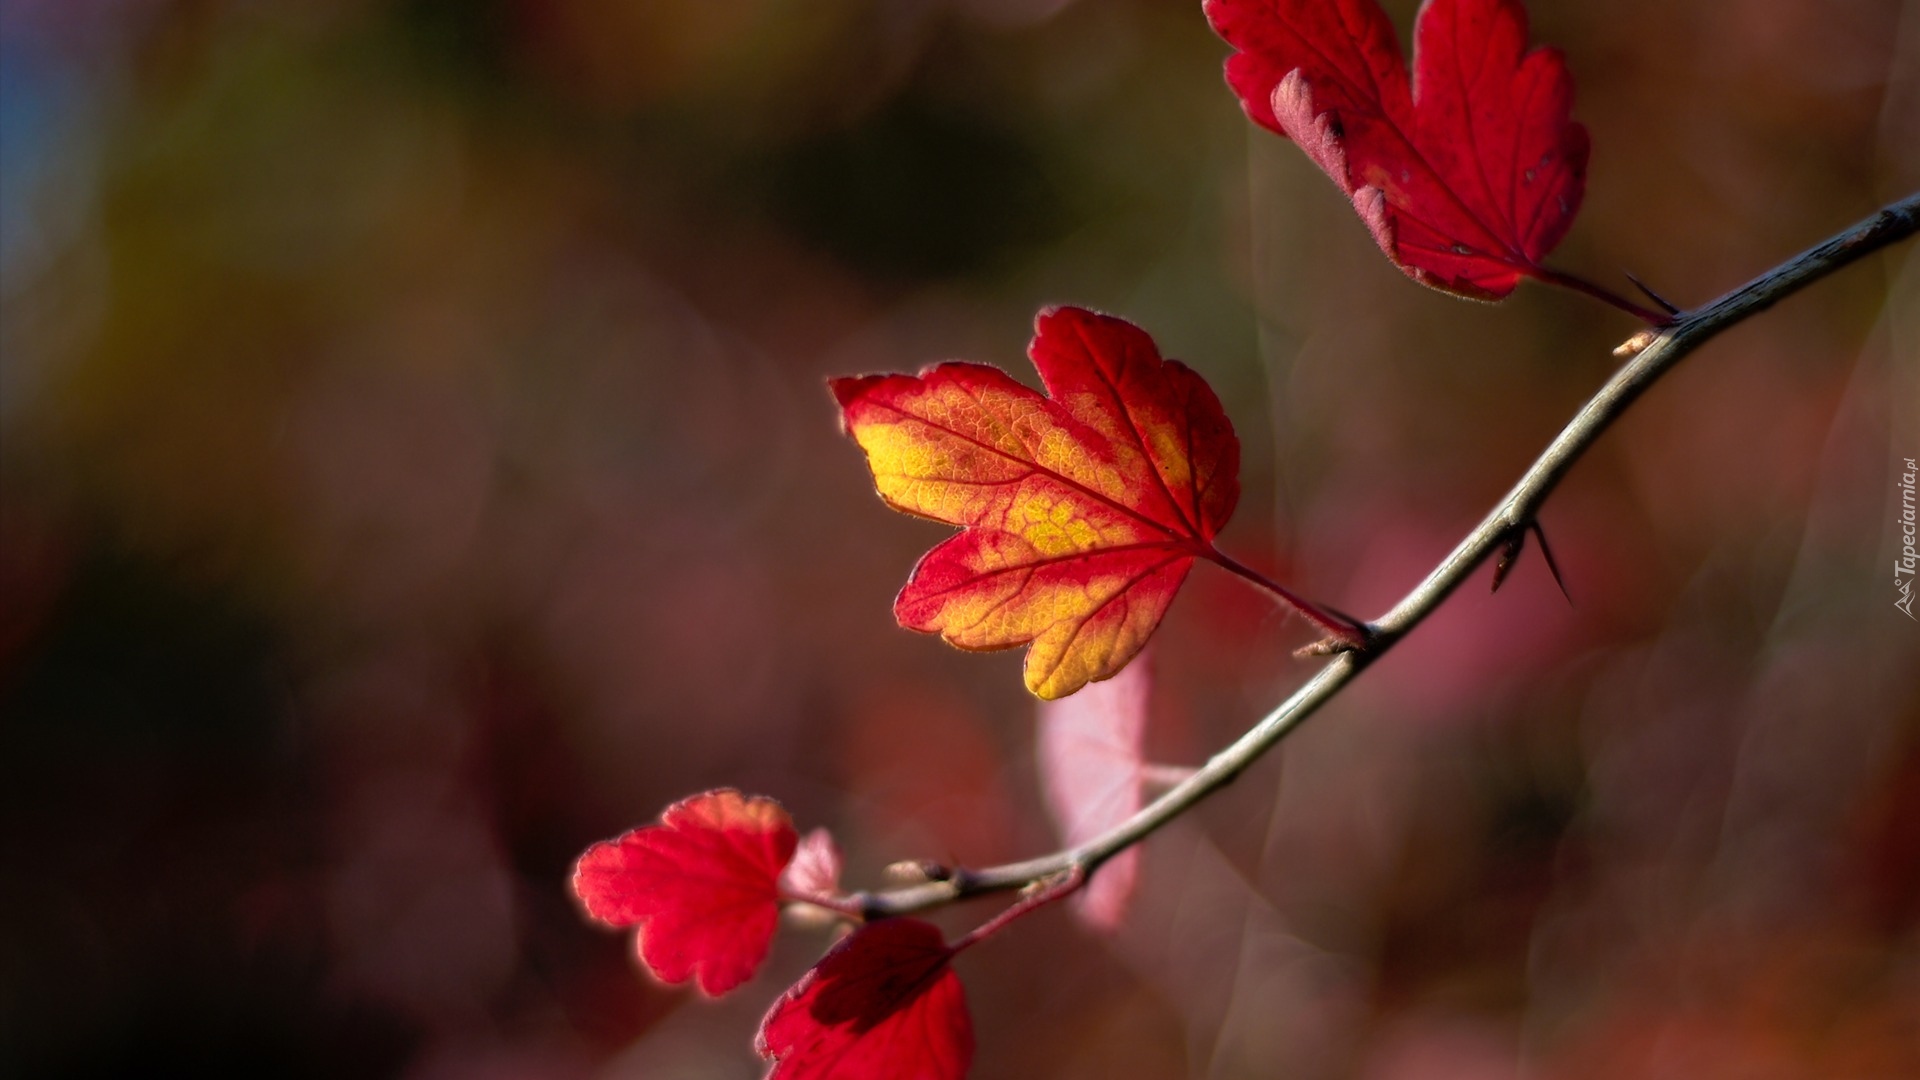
(1653,354)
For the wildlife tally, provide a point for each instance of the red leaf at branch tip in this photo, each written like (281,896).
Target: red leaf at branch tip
(1091,773)
(1468,175)
(883,1005)
(702,886)
(1082,509)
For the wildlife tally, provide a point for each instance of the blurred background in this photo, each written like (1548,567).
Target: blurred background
(415,466)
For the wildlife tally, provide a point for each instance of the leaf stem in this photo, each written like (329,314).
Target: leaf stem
(1687,332)
(1064,884)
(1348,632)
(1607,296)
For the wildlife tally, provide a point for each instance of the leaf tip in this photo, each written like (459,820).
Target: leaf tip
(847,389)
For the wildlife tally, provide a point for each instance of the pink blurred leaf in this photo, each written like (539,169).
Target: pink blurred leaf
(1091,773)
(815,869)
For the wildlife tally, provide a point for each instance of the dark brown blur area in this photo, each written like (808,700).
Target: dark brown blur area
(415,466)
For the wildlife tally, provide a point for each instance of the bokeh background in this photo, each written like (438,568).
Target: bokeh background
(415,466)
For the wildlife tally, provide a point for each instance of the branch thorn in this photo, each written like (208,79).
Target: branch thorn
(1515,543)
(1553,567)
(1651,295)
(1510,550)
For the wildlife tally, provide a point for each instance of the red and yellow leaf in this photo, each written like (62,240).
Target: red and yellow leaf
(1082,509)
(1468,174)
(883,1005)
(702,886)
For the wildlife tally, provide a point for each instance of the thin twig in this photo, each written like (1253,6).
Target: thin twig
(1515,513)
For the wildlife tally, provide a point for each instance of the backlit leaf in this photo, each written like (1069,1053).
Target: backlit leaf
(883,1005)
(1468,174)
(702,886)
(1082,509)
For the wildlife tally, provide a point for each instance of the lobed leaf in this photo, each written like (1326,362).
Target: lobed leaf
(1082,510)
(883,1005)
(702,886)
(1468,175)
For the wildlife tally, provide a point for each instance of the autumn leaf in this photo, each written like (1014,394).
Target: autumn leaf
(702,886)
(883,1005)
(1082,510)
(1091,772)
(1468,174)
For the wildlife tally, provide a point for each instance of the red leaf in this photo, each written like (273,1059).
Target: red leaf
(1468,176)
(1082,510)
(883,1005)
(1091,772)
(702,886)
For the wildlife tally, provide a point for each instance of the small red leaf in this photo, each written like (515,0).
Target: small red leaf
(702,886)
(883,1005)
(1467,175)
(815,869)
(1091,772)
(1083,508)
